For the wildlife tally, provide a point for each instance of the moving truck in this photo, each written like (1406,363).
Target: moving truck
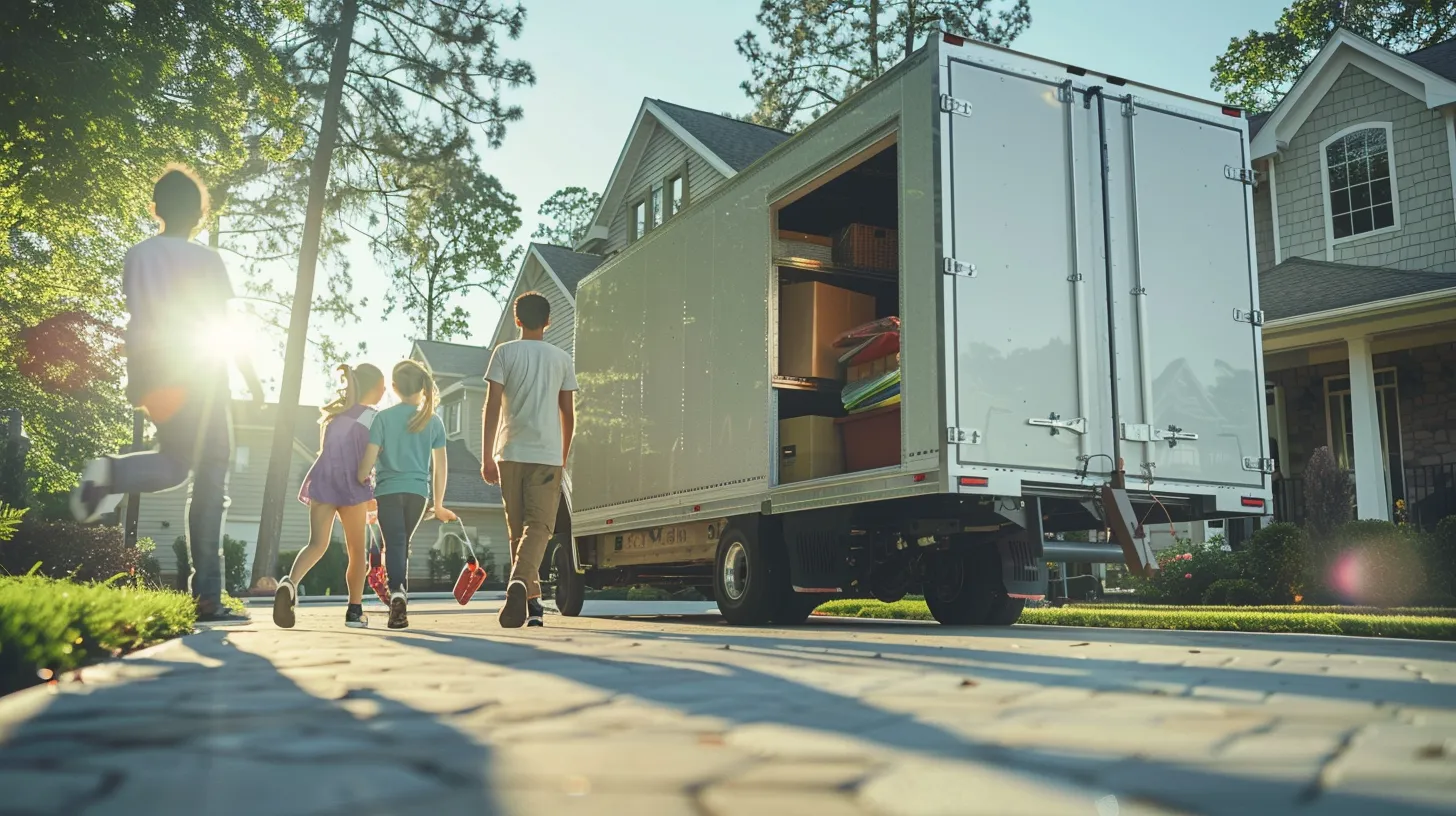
(1068,258)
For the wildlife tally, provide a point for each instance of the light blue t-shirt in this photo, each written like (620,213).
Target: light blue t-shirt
(404,458)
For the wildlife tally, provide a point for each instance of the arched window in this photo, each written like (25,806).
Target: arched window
(1360,191)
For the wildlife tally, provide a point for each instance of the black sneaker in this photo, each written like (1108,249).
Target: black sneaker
(398,619)
(284,601)
(537,613)
(216,612)
(355,618)
(513,614)
(93,498)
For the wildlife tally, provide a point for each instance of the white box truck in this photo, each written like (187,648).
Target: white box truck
(1079,348)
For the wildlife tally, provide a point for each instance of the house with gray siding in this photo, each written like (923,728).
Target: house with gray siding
(1355,228)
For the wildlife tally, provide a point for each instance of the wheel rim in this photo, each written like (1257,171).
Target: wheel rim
(735,571)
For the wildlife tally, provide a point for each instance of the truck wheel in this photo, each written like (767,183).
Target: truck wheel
(961,594)
(570,587)
(746,580)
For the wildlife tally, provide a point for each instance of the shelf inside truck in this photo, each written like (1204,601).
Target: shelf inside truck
(808,265)
(806,383)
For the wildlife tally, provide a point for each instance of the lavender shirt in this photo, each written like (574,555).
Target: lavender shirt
(334,477)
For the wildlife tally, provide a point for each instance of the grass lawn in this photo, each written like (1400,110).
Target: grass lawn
(50,626)
(1319,620)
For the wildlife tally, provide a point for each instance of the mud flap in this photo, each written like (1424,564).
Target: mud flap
(1023,567)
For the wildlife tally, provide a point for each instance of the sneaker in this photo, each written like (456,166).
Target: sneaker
(398,619)
(93,498)
(513,614)
(537,613)
(284,601)
(216,612)
(355,617)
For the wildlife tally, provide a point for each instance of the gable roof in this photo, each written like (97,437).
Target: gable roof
(1345,49)
(736,142)
(458,359)
(1301,286)
(465,487)
(1439,59)
(726,144)
(568,266)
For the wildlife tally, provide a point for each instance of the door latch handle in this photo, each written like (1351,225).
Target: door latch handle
(1056,424)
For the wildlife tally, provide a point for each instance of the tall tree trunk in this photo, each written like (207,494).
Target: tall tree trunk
(874,39)
(280,460)
(909,29)
(430,310)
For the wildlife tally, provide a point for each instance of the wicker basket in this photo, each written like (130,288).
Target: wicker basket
(867,247)
(799,246)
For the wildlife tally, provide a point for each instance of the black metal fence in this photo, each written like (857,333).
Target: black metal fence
(1430,495)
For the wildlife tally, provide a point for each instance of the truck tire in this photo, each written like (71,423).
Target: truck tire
(795,608)
(966,586)
(748,581)
(570,587)
(1006,610)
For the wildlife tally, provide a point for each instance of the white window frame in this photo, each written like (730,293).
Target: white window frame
(242,458)
(1386,441)
(1330,240)
(453,412)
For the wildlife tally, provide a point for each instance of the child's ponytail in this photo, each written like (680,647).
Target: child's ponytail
(411,378)
(347,397)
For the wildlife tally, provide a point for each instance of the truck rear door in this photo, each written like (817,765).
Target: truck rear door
(1190,400)
(1019,306)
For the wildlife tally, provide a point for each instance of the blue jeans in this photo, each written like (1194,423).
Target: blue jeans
(399,515)
(198,440)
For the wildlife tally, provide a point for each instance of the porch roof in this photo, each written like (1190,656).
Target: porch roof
(1300,286)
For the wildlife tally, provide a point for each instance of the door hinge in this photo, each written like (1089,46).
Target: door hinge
(962,436)
(1056,424)
(1129,108)
(1244,175)
(950,104)
(1065,95)
(1253,318)
(959,268)
(1258,465)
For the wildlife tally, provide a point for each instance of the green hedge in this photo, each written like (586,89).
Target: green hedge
(1224,619)
(55,626)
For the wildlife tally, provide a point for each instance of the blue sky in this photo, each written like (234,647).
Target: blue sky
(595,62)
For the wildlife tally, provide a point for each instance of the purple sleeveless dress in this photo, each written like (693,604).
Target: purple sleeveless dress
(334,477)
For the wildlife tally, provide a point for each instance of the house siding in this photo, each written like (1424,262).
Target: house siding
(663,153)
(162,517)
(1427,238)
(488,534)
(1263,223)
(561,332)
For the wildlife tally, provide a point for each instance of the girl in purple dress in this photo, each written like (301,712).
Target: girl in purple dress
(333,488)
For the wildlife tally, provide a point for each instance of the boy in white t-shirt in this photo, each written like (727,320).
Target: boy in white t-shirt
(176,291)
(530,416)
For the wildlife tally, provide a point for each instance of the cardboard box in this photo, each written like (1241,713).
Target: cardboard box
(809,448)
(811,317)
(872,369)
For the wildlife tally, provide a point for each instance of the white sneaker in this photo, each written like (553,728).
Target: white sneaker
(93,499)
(285,599)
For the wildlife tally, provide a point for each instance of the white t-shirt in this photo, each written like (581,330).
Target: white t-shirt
(175,289)
(532,374)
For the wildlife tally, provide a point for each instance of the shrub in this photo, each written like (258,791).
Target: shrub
(326,577)
(1275,560)
(1234,592)
(52,626)
(10,520)
(1186,571)
(1371,562)
(1440,560)
(234,563)
(66,549)
(1327,494)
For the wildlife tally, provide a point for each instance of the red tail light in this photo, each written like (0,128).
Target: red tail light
(953,39)
(1234,112)
(974,481)
(1255,503)
(919,477)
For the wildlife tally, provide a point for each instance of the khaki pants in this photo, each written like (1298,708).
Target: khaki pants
(531,494)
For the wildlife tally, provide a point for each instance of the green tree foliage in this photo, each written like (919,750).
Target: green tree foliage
(448,239)
(1328,495)
(99,97)
(815,53)
(567,215)
(1258,68)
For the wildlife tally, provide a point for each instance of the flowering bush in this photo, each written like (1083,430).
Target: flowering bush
(1234,592)
(1186,571)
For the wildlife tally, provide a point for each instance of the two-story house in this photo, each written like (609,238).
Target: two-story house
(1356,239)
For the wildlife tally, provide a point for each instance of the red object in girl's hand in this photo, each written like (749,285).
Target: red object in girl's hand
(378,579)
(472,575)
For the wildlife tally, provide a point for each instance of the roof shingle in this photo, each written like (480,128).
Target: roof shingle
(1438,59)
(1300,286)
(736,142)
(571,267)
(454,358)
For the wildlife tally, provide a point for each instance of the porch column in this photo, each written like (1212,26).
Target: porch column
(1370,499)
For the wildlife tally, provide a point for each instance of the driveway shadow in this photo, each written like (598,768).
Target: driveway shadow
(232,735)
(721,688)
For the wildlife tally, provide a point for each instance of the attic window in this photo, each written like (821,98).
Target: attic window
(677,192)
(657,206)
(639,220)
(1360,191)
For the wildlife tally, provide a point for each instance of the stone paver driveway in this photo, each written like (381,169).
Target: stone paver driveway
(688,716)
